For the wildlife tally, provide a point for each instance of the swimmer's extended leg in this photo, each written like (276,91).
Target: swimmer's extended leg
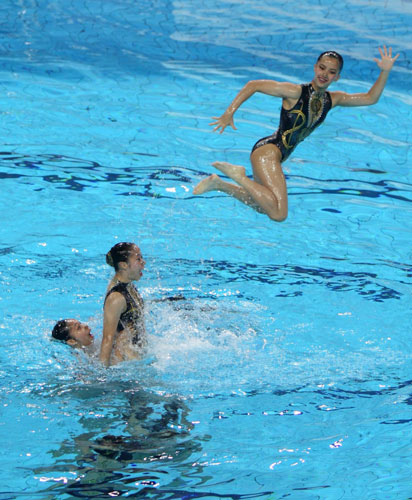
(215,183)
(268,190)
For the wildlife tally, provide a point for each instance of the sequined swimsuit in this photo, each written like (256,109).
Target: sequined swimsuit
(297,123)
(132,318)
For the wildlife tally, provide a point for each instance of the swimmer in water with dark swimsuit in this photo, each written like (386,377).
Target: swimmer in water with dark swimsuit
(304,107)
(124,333)
(73,333)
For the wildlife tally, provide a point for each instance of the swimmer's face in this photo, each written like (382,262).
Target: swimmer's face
(326,71)
(135,264)
(79,333)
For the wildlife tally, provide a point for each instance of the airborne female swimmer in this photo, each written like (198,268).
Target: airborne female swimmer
(304,107)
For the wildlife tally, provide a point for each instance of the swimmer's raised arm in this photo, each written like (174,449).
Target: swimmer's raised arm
(284,90)
(114,306)
(385,63)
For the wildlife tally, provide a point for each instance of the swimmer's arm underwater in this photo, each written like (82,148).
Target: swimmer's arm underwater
(372,96)
(270,87)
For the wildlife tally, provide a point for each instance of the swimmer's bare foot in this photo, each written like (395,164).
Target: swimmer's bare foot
(235,172)
(211,183)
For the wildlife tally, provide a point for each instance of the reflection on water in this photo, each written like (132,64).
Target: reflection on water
(286,352)
(129,434)
(79,175)
(148,181)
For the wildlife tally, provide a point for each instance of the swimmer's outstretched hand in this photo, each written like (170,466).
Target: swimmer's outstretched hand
(387,61)
(222,122)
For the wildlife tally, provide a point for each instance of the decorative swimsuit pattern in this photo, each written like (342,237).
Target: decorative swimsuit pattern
(132,318)
(297,123)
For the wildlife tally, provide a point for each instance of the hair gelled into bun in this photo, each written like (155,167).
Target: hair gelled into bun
(109,259)
(119,253)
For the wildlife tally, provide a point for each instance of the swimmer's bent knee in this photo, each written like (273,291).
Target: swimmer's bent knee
(277,217)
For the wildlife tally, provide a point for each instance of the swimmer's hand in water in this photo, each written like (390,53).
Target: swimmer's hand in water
(387,61)
(222,122)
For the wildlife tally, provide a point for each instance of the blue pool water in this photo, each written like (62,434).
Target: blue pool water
(286,371)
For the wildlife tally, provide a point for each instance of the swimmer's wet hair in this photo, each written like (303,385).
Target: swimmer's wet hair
(119,253)
(61,331)
(335,55)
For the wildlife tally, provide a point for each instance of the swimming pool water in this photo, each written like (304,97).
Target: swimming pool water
(285,371)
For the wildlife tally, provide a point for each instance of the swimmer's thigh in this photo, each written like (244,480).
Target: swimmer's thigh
(267,169)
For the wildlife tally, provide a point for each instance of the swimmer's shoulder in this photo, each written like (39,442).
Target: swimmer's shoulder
(115,299)
(285,90)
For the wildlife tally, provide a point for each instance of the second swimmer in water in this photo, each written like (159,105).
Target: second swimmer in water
(124,333)
(304,107)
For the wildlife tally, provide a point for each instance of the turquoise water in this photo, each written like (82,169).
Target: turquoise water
(286,371)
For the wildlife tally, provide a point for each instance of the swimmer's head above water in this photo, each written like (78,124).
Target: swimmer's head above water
(334,55)
(327,70)
(73,333)
(127,260)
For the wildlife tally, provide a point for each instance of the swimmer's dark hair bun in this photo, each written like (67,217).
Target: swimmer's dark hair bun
(119,253)
(61,330)
(109,259)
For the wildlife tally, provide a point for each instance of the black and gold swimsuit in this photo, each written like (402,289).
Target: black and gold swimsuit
(297,123)
(133,317)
